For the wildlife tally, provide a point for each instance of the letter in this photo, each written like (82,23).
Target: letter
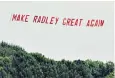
(68,22)
(64,23)
(56,20)
(22,17)
(88,23)
(51,22)
(96,23)
(43,19)
(76,22)
(26,19)
(14,17)
(92,24)
(101,22)
(46,20)
(35,18)
(72,21)
(39,19)
(80,22)
(18,18)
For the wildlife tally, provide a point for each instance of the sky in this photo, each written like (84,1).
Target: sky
(59,41)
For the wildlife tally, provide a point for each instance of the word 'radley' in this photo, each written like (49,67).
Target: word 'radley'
(45,19)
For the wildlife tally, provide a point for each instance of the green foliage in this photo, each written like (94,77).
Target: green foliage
(111,75)
(15,62)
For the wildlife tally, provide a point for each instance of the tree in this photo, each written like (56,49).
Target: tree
(15,62)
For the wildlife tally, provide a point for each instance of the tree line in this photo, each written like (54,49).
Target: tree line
(15,62)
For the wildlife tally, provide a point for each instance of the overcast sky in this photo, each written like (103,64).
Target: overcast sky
(58,41)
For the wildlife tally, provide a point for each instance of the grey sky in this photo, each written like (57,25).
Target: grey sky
(58,41)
